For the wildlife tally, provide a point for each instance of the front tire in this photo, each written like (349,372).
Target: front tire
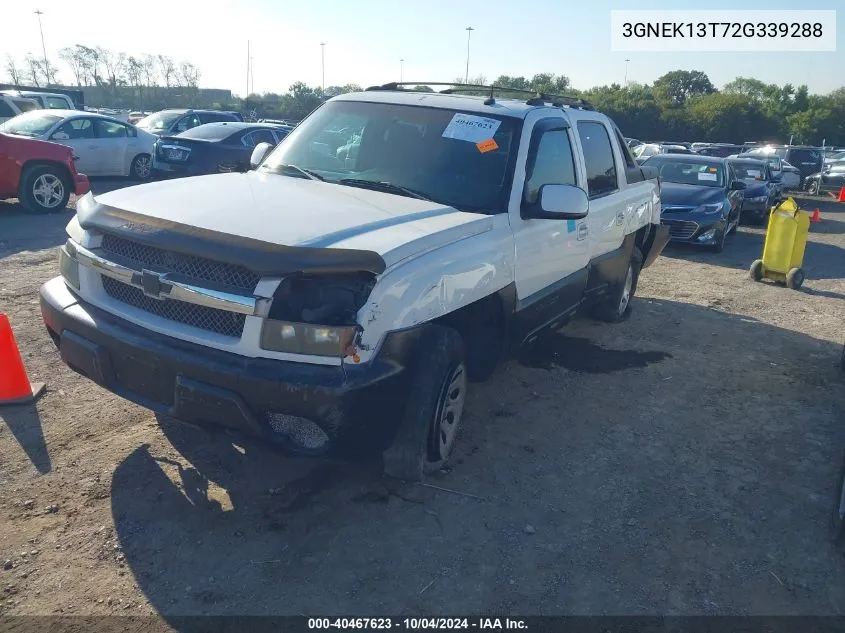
(813,188)
(756,270)
(44,189)
(430,425)
(719,245)
(141,168)
(616,306)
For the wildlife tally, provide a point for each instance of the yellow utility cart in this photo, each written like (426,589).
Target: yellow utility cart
(783,252)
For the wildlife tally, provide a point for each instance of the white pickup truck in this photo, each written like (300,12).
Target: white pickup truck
(341,294)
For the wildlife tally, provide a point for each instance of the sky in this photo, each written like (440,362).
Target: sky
(365,40)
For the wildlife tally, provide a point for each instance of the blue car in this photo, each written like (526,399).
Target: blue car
(212,148)
(762,190)
(701,198)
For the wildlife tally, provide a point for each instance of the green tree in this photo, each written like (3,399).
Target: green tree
(677,86)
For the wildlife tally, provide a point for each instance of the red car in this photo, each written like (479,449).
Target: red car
(40,174)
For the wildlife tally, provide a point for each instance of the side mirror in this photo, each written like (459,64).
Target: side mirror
(738,185)
(558,202)
(60,136)
(259,154)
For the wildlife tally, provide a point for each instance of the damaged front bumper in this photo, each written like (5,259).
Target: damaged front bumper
(305,408)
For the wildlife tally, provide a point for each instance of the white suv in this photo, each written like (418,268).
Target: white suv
(11,106)
(343,299)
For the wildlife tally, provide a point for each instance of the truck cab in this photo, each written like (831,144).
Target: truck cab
(343,300)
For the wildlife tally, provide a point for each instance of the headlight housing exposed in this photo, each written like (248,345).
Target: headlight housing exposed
(709,209)
(316,315)
(68,266)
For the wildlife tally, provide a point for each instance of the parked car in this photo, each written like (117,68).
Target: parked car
(647,150)
(11,107)
(831,179)
(701,198)
(683,144)
(808,160)
(136,116)
(633,142)
(104,146)
(212,148)
(698,145)
(39,174)
(317,304)
(46,100)
(775,162)
(762,188)
(790,177)
(172,122)
(720,150)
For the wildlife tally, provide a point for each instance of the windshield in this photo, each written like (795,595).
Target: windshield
(749,171)
(210,132)
(158,121)
(35,123)
(453,158)
(687,172)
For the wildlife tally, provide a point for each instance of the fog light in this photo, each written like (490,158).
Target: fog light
(301,431)
(69,268)
(707,235)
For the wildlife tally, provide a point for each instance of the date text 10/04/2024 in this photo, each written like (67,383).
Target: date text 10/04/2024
(418,624)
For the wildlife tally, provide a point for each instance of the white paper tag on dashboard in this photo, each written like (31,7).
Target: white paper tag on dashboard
(703,175)
(468,127)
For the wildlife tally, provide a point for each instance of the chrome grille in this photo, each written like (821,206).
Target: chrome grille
(210,319)
(189,265)
(681,229)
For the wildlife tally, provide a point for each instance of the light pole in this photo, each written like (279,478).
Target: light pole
(401,70)
(252,73)
(323,61)
(248,67)
(626,72)
(469,31)
(39,13)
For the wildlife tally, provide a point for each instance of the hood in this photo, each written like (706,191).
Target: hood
(672,193)
(287,211)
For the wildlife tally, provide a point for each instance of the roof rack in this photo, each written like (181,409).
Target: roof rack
(537,98)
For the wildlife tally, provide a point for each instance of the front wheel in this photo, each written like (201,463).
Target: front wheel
(433,413)
(44,189)
(141,168)
(813,188)
(719,244)
(616,306)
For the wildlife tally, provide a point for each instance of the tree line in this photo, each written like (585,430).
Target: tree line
(681,105)
(120,77)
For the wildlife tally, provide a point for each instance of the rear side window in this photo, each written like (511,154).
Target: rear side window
(26,105)
(6,109)
(804,156)
(598,158)
(56,103)
(626,152)
(554,164)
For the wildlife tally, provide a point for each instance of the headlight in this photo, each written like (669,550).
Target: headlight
(308,339)
(709,209)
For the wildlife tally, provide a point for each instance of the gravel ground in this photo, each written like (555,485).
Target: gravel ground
(679,463)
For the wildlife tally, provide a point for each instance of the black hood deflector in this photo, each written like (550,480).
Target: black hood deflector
(264,258)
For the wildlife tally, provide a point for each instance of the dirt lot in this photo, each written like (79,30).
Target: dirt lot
(679,463)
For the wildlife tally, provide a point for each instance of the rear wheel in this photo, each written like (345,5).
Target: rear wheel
(142,167)
(44,189)
(794,278)
(616,306)
(433,413)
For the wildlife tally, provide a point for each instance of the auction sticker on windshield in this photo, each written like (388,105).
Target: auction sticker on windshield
(468,127)
(487,146)
(705,176)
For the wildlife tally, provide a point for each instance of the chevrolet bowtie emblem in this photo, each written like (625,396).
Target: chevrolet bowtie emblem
(152,285)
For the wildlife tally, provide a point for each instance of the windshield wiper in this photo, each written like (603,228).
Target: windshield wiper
(387,187)
(308,173)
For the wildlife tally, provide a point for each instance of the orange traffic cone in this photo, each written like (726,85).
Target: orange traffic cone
(15,387)
(815,217)
(842,195)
